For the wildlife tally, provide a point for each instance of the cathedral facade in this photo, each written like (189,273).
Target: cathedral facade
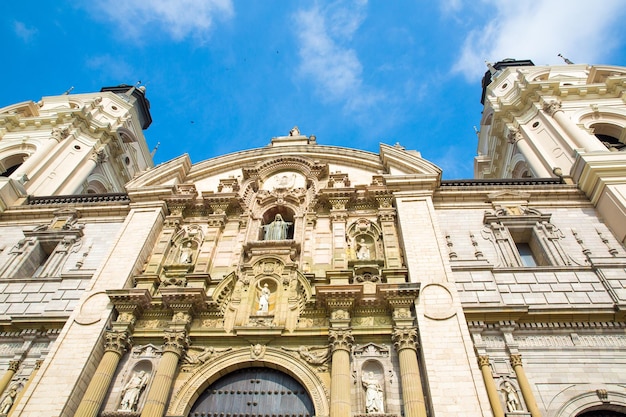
(301,279)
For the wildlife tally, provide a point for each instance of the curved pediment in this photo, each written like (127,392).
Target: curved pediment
(312,164)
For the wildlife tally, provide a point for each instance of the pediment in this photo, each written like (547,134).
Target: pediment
(160,181)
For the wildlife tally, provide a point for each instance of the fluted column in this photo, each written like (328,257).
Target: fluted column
(116,343)
(175,344)
(524,385)
(30,380)
(534,163)
(490,384)
(341,341)
(405,342)
(581,138)
(8,375)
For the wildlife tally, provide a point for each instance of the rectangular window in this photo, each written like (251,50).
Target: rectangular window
(526,254)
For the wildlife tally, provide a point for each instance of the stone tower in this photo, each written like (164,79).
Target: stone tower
(558,121)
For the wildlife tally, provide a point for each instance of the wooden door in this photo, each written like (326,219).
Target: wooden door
(254,392)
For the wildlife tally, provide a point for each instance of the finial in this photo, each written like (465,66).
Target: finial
(155,149)
(567,61)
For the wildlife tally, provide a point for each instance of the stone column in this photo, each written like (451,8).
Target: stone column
(8,375)
(341,341)
(405,342)
(116,343)
(534,163)
(524,385)
(175,344)
(80,174)
(490,384)
(31,377)
(581,138)
(44,151)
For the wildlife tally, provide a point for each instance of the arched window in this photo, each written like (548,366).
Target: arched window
(10,164)
(611,136)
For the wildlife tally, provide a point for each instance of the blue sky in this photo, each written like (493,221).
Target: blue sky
(223,75)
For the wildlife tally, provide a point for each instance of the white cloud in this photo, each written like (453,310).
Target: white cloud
(24,32)
(541,29)
(324,35)
(178,19)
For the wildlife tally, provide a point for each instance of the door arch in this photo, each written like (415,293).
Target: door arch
(254,392)
(269,357)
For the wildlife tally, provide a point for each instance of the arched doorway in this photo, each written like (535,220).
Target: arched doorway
(254,392)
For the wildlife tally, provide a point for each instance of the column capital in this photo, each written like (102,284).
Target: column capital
(483,360)
(175,341)
(516,360)
(405,337)
(340,339)
(14,365)
(117,341)
(551,107)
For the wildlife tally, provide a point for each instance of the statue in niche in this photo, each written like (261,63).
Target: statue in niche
(264,299)
(8,400)
(510,397)
(363,250)
(374,402)
(276,230)
(132,391)
(186,254)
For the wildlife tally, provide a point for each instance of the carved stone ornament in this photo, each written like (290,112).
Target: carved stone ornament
(175,341)
(199,355)
(552,107)
(405,338)
(147,351)
(257,351)
(14,366)
(116,341)
(483,360)
(317,356)
(371,350)
(516,360)
(340,339)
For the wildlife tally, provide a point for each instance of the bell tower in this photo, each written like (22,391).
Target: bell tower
(73,144)
(562,121)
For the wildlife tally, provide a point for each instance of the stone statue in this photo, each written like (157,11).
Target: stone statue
(374,403)
(276,230)
(264,299)
(8,401)
(186,254)
(132,391)
(510,397)
(363,251)
(294,131)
